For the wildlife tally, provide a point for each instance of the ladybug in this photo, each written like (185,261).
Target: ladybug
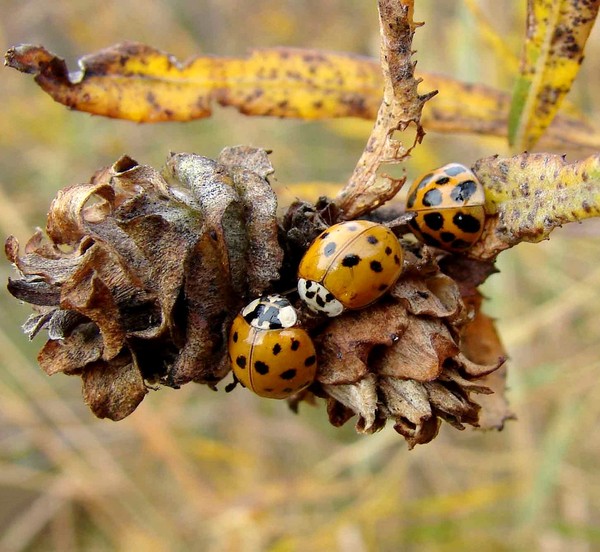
(448,203)
(269,353)
(349,266)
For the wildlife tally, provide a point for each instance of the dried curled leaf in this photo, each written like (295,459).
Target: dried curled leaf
(557,31)
(141,275)
(529,195)
(137,82)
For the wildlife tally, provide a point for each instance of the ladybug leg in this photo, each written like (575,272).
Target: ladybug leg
(231,386)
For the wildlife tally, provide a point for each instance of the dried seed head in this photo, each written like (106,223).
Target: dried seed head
(416,358)
(142,272)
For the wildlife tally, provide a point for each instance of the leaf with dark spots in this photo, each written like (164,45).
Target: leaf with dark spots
(137,82)
(557,32)
(529,195)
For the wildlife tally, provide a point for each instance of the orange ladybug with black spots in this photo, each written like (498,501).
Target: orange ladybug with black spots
(349,266)
(449,207)
(269,353)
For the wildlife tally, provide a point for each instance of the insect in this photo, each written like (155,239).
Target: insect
(349,266)
(448,203)
(269,353)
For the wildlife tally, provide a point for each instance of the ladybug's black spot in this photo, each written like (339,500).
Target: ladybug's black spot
(241,361)
(388,250)
(352,227)
(261,367)
(466,223)
(276,349)
(235,337)
(295,344)
(443,180)
(372,240)
(329,249)
(350,260)
(310,360)
(310,294)
(323,235)
(431,241)
(309,284)
(410,202)
(319,301)
(376,266)
(453,170)
(382,287)
(288,374)
(434,221)
(432,198)
(397,259)
(287,389)
(460,244)
(447,236)
(463,191)
(268,389)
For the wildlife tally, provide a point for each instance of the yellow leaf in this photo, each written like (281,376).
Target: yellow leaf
(138,83)
(529,195)
(480,109)
(557,31)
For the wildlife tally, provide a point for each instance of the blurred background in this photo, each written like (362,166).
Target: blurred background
(197,470)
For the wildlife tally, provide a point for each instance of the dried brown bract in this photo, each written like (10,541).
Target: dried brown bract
(415,358)
(142,272)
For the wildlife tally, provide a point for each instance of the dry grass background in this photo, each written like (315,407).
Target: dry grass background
(198,470)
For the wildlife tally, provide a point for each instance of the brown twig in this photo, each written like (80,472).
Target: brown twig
(401,107)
